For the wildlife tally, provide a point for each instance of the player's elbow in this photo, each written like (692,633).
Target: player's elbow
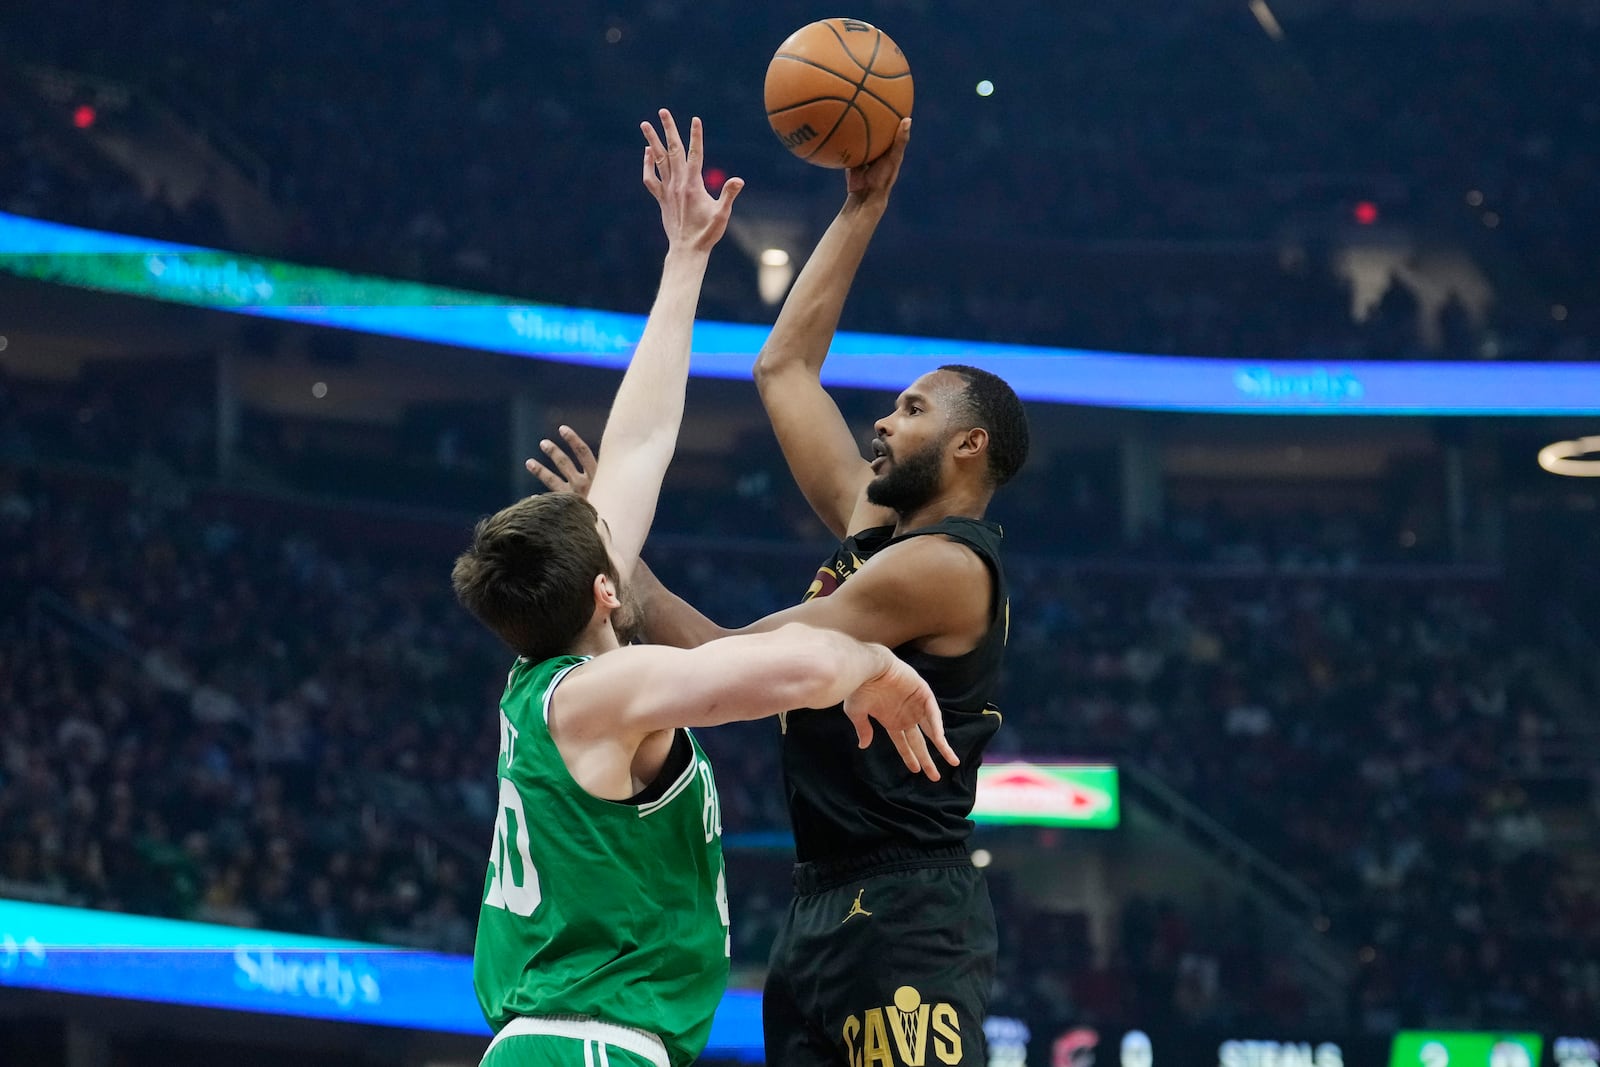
(763,370)
(774,363)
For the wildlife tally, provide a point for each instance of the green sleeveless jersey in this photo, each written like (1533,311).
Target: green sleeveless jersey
(599,908)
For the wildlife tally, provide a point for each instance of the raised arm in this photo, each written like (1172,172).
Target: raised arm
(643,689)
(642,429)
(823,455)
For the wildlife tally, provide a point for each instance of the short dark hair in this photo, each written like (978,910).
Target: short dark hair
(989,402)
(529,575)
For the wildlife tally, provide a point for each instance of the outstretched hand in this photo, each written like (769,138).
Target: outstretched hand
(900,700)
(871,182)
(572,474)
(692,217)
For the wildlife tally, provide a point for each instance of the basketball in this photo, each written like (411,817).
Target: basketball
(836,92)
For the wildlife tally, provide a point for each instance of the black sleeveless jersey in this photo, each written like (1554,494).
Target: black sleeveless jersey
(845,801)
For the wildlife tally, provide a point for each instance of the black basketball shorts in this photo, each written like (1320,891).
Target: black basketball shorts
(883,963)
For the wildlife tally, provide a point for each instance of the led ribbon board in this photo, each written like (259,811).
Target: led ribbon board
(225,281)
(74,950)
(1084,796)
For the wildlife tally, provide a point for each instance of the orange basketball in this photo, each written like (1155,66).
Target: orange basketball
(836,91)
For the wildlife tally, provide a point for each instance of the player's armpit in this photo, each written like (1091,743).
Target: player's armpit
(925,588)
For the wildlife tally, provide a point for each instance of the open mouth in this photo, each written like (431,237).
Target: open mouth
(880,453)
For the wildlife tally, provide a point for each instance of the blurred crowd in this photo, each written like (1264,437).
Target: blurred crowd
(1168,179)
(194,702)
(233,709)
(1369,734)
(222,707)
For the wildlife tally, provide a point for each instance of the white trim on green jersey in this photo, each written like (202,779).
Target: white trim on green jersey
(590,1032)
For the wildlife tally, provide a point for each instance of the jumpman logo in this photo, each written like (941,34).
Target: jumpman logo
(855,909)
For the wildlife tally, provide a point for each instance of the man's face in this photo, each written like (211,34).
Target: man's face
(908,450)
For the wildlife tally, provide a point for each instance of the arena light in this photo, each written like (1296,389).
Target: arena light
(1572,459)
(1269,21)
(774,275)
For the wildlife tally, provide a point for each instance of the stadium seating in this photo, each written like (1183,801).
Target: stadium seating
(1194,213)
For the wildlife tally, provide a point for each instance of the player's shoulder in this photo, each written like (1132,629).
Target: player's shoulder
(980,534)
(529,682)
(932,557)
(597,692)
(541,672)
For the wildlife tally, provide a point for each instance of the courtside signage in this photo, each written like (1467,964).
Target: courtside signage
(248,285)
(1032,794)
(94,953)
(1459,1048)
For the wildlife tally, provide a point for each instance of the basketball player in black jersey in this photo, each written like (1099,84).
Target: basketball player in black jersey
(887,953)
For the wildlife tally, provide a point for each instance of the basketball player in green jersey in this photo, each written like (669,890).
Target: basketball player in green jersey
(603,933)
(888,949)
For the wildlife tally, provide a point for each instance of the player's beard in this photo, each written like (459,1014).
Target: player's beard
(628,619)
(910,482)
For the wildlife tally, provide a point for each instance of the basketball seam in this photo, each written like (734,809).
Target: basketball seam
(808,103)
(860,87)
(893,110)
(862,84)
(870,63)
(791,57)
(850,104)
(867,66)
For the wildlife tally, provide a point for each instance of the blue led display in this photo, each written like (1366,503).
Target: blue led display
(249,285)
(73,950)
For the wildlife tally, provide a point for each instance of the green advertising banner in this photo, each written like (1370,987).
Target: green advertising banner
(1458,1048)
(1032,794)
(203,277)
